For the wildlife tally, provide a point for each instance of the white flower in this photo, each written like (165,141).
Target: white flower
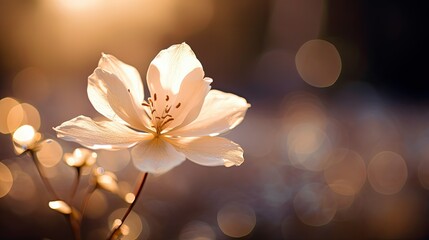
(182,118)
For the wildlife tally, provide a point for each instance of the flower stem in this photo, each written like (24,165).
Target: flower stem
(43,175)
(75,229)
(139,190)
(75,184)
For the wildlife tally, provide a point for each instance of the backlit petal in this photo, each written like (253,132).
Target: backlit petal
(189,101)
(209,151)
(99,135)
(220,112)
(125,73)
(111,97)
(169,68)
(156,156)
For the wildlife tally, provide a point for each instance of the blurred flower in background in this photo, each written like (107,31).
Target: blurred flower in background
(336,142)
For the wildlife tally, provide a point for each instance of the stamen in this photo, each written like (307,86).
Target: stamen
(145,104)
(178,105)
(153,110)
(128,90)
(154,97)
(150,101)
(167,109)
(168,115)
(167,98)
(168,120)
(158,118)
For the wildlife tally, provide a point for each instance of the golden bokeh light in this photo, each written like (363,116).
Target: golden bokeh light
(236,219)
(315,205)
(387,172)
(31,84)
(6,180)
(318,63)
(347,173)
(60,206)
(23,188)
(6,104)
(113,160)
(308,147)
(97,206)
(197,230)
(23,114)
(129,197)
(50,153)
(137,227)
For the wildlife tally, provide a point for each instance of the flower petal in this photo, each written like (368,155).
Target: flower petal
(209,151)
(111,97)
(128,75)
(156,156)
(220,112)
(188,103)
(172,64)
(99,135)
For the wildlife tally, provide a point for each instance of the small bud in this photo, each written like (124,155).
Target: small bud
(80,157)
(60,206)
(106,180)
(25,138)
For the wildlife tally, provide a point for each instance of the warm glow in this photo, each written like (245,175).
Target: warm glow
(6,180)
(308,147)
(6,104)
(25,136)
(31,84)
(197,230)
(387,172)
(80,157)
(60,206)
(108,182)
(97,206)
(49,153)
(319,63)
(347,174)
(113,160)
(136,226)
(236,220)
(129,197)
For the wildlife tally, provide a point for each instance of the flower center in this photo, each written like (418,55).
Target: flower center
(159,114)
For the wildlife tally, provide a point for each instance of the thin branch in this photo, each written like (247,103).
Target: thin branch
(139,190)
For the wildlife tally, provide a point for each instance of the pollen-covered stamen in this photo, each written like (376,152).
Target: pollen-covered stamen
(159,119)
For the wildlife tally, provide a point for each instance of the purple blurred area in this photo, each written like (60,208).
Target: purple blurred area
(336,142)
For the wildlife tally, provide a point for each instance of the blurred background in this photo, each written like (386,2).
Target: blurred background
(336,141)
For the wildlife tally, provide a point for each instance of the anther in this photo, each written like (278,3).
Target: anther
(178,105)
(153,110)
(128,90)
(167,109)
(154,97)
(145,104)
(167,98)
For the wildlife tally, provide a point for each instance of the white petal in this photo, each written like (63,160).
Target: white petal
(220,112)
(156,156)
(111,97)
(209,151)
(188,103)
(169,68)
(126,73)
(99,135)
